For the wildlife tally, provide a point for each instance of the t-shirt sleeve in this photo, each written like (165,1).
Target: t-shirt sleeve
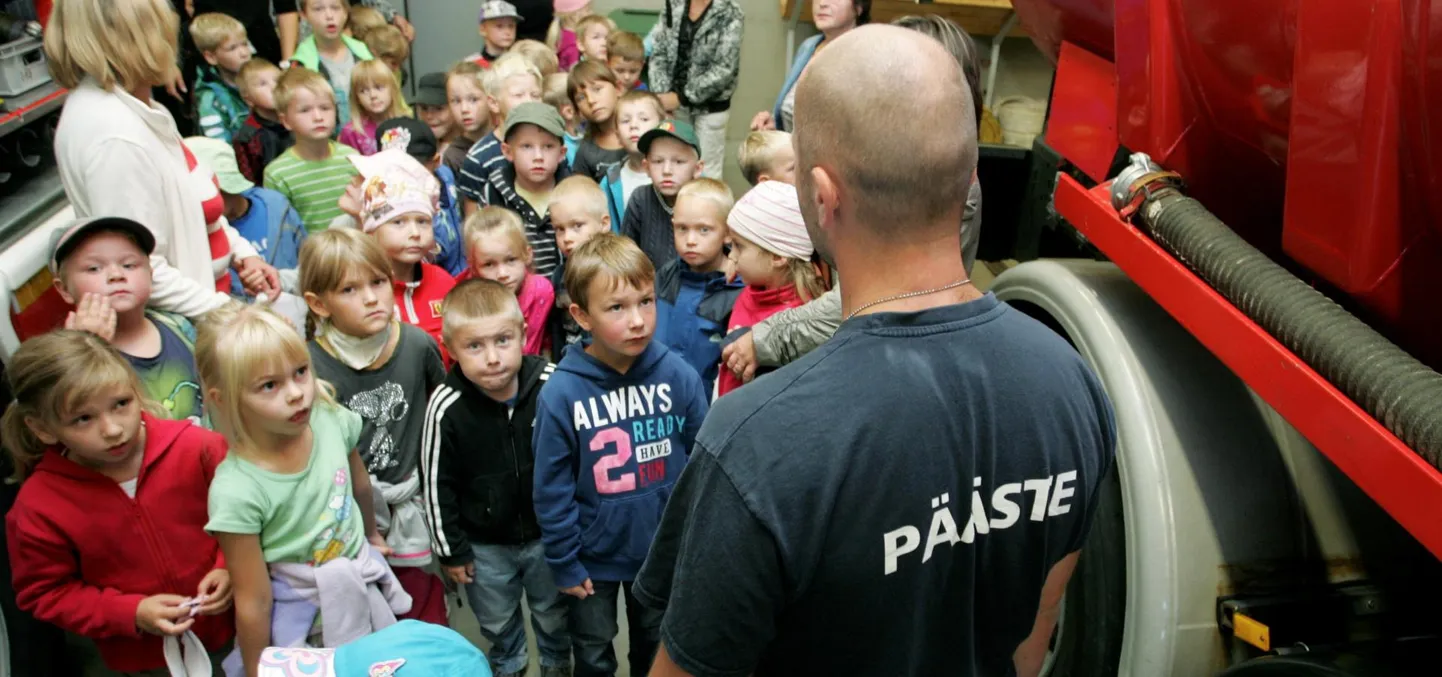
(236,503)
(717,572)
(1106,440)
(350,428)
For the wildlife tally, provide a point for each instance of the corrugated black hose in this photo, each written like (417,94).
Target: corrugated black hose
(1394,387)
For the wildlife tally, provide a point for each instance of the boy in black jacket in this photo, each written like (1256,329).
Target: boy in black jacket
(476,465)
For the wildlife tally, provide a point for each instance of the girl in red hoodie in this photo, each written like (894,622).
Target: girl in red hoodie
(772,253)
(107,537)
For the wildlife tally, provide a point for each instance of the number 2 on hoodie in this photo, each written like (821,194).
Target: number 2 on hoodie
(603,466)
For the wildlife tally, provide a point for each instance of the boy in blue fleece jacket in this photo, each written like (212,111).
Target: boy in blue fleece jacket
(614,426)
(693,298)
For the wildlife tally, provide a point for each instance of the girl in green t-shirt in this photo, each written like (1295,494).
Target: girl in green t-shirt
(293,490)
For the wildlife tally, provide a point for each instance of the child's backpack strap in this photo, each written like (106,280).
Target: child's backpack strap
(175,323)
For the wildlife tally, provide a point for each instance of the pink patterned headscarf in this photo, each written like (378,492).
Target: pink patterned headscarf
(770,216)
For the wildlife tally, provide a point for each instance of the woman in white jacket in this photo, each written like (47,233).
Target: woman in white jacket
(120,153)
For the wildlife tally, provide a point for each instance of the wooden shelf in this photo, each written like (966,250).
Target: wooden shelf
(978,17)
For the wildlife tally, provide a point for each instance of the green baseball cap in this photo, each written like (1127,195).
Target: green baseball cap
(676,129)
(542,115)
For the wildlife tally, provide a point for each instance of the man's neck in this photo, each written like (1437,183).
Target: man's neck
(875,268)
(313,150)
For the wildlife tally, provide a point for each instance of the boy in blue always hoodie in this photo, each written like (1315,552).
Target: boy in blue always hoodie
(614,427)
(693,298)
(578,213)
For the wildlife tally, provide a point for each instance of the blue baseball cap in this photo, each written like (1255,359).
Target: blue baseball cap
(412,648)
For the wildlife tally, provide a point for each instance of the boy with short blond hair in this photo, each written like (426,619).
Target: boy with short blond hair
(510,81)
(673,159)
(693,297)
(578,213)
(478,429)
(262,137)
(220,111)
(541,55)
(638,112)
(388,44)
(626,56)
(767,156)
(314,173)
(605,471)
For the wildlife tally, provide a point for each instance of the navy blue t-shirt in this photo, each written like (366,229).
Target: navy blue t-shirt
(891,503)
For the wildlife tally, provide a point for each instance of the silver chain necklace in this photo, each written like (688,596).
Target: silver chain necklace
(907,295)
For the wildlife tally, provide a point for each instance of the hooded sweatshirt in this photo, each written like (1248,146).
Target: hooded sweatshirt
(83,553)
(609,448)
(692,313)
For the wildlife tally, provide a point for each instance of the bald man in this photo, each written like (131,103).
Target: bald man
(910,497)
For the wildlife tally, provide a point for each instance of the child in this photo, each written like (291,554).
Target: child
(420,648)
(673,158)
(102,268)
(637,113)
(497,248)
(433,107)
(498,31)
(696,83)
(556,93)
(263,137)
(606,471)
(219,108)
(292,496)
(398,208)
(540,56)
(260,215)
(767,155)
(329,51)
(375,96)
(476,468)
(95,548)
(415,139)
(362,21)
(313,173)
(595,91)
(388,45)
(772,253)
(534,152)
(578,213)
(693,298)
(469,109)
(626,57)
(382,369)
(510,82)
(592,33)
(561,36)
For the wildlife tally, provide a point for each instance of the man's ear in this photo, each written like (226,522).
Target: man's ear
(316,306)
(826,194)
(580,316)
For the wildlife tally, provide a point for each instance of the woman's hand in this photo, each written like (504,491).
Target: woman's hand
(762,121)
(93,314)
(176,86)
(216,592)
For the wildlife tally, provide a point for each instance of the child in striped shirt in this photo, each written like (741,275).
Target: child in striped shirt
(314,173)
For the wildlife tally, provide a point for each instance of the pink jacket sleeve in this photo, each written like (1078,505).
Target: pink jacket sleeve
(536,298)
(568,51)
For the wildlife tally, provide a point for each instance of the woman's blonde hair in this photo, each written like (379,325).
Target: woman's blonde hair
(539,54)
(566,20)
(51,375)
(494,220)
(130,43)
(369,73)
(327,257)
(234,344)
(363,20)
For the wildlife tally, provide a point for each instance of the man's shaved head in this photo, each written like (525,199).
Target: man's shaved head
(884,111)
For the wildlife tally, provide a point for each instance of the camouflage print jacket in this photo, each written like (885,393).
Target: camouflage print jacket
(715,57)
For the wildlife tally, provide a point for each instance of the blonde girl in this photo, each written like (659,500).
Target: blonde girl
(375,96)
(497,248)
(772,253)
(561,36)
(383,369)
(292,495)
(98,547)
(591,34)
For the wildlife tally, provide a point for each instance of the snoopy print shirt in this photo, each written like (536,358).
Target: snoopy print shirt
(306,517)
(391,400)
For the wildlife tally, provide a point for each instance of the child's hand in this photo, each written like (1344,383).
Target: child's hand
(762,121)
(258,277)
(351,200)
(216,592)
(163,615)
(93,314)
(379,542)
(740,357)
(463,574)
(582,591)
